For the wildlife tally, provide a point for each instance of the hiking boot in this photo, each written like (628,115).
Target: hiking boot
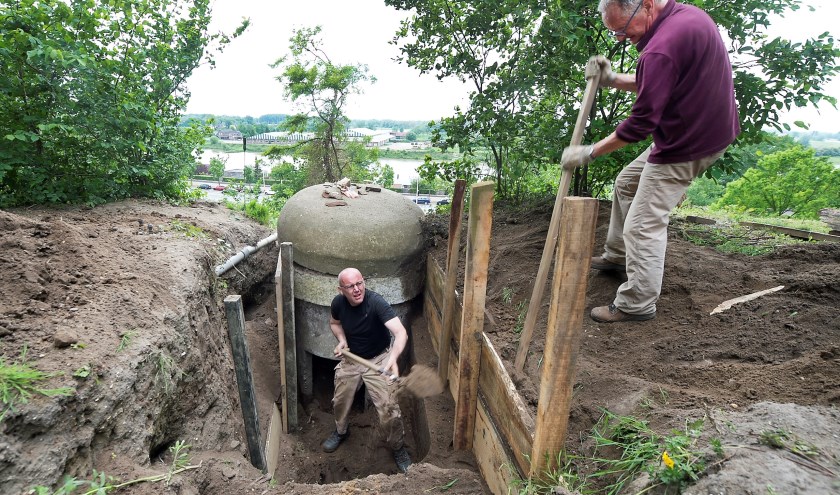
(600,263)
(334,440)
(402,459)
(611,314)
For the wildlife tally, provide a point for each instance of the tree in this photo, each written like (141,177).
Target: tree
(792,181)
(320,88)
(217,168)
(526,60)
(91,94)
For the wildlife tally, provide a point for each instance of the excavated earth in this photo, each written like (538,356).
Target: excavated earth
(121,304)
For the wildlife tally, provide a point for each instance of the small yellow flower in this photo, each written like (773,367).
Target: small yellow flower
(667,460)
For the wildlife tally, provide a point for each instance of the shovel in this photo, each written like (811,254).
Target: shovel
(593,77)
(420,382)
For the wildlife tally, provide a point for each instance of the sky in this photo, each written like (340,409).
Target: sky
(358,32)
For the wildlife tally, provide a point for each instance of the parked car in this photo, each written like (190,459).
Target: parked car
(219,187)
(205,186)
(444,201)
(422,201)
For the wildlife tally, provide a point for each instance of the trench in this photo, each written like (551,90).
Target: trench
(364,452)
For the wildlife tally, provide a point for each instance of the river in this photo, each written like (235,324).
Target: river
(405,170)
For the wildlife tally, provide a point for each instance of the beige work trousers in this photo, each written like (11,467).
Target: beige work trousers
(349,377)
(643,197)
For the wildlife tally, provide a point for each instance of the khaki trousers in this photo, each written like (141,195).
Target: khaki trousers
(349,377)
(643,197)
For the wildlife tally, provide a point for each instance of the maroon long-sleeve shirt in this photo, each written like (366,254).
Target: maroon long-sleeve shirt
(686,97)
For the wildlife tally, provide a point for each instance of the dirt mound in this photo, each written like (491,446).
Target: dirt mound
(122,304)
(121,301)
(686,364)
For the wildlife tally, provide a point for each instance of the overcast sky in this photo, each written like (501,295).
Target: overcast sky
(358,31)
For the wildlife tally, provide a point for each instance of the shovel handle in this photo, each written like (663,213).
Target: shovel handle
(365,362)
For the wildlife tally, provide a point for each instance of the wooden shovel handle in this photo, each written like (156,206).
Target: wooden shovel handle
(365,362)
(593,77)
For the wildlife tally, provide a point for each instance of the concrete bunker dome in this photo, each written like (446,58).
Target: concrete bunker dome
(379,232)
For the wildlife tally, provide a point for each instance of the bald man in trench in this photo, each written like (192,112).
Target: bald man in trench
(364,323)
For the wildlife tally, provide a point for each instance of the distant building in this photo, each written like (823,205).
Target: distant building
(377,137)
(229,134)
(399,136)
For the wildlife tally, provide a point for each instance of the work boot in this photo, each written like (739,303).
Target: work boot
(611,314)
(334,440)
(402,459)
(600,263)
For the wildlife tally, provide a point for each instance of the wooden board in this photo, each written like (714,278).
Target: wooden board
(564,331)
(472,315)
(505,406)
(494,463)
(799,234)
(272,443)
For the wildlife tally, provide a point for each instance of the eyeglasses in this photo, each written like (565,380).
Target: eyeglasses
(623,31)
(358,284)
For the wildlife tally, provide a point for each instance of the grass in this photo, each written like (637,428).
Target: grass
(734,238)
(188,229)
(727,217)
(166,372)
(625,448)
(19,382)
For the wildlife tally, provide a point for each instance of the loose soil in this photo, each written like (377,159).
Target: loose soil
(121,302)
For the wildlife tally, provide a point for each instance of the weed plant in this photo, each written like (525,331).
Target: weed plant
(626,447)
(19,381)
(100,483)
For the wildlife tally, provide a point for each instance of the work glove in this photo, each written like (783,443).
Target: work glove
(607,75)
(576,156)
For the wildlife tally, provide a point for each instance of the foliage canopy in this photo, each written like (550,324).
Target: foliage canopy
(525,60)
(90,97)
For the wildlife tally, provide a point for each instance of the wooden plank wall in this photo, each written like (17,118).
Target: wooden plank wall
(504,430)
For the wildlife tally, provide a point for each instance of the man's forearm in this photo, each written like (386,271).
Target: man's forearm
(625,82)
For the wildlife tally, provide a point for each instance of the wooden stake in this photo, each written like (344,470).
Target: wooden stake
(452,252)
(244,379)
(284,283)
(593,76)
(565,318)
(472,317)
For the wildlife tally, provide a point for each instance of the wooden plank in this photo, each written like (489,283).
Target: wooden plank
(272,444)
(472,316)
(433,321)
(799,234)
(449,296)
(509,413)
(593,75)
(493,462)
(565,321)
(284,280)
(244,378)
(435,283)
(700,220)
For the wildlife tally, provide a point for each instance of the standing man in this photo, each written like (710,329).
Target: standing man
(363,322)
(686,99)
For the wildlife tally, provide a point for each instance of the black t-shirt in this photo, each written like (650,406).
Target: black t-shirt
(364,325)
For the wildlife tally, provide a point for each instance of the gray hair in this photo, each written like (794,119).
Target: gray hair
(627,6)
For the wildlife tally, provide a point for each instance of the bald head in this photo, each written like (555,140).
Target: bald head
(352,285)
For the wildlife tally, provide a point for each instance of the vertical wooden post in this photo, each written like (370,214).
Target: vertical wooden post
(562,341)
(244,380)
(284,282)
(472,317)
(452,250)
